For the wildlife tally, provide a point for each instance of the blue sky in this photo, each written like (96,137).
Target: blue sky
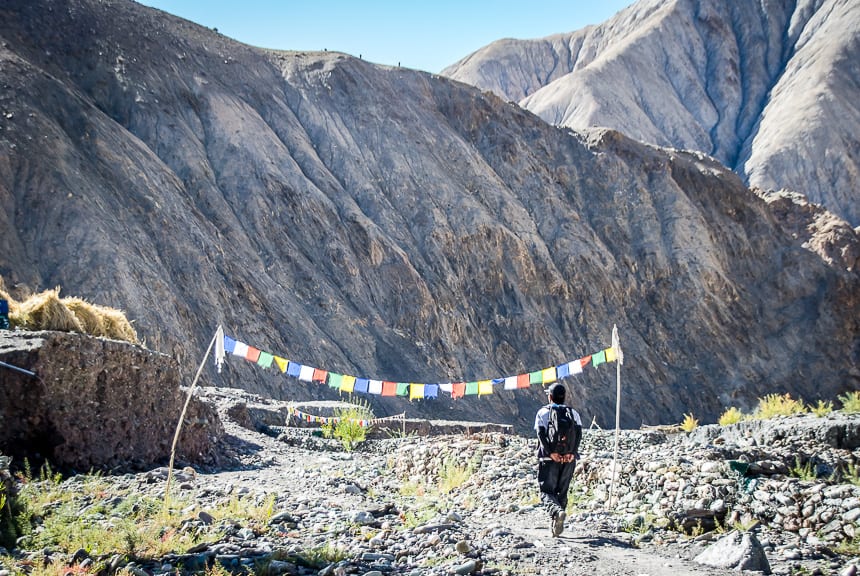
(427,35)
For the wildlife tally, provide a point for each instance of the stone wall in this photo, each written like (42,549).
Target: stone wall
(97,404)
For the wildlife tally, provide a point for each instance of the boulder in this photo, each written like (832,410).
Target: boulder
(736,551)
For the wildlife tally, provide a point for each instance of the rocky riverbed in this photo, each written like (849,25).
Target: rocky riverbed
(704,502)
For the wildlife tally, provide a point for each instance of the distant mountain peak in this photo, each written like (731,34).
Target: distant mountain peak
(768,89)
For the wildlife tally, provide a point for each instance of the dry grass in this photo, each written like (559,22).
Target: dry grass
(87,314)
(116,325)
(47,311)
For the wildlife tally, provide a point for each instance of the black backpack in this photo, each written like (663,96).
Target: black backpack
(563,433)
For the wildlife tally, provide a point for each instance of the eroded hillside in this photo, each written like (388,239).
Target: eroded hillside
(389,223)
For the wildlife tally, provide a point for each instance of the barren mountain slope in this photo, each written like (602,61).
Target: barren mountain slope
(392,224)
(769,89)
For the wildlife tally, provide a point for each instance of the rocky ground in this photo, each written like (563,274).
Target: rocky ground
(467,504)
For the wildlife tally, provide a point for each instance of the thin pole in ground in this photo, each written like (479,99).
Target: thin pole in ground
(218,333)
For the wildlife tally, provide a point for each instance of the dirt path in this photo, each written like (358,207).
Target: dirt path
(581,550)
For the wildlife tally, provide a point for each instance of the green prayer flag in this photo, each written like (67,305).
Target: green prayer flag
(471,388)
(334,380)
(265,360)
(403,388)
(599,358)
(536,377)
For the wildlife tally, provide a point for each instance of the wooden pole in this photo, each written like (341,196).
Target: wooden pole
(182,417)
(619,360)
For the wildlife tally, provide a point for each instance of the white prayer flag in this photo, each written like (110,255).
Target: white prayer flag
(219,348)
(306,374)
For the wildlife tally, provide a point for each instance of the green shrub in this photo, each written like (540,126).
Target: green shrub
(822,409)
(850,402)
(346,425)
(803,471)
(774,405)
(452,476)
(730,416)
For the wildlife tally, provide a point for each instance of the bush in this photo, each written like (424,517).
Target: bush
(347,427)
(453,475)
(730,416)
(822,408)
(774,405)
(850,402)
(689,424)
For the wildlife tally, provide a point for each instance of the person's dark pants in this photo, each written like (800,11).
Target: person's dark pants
(554,481)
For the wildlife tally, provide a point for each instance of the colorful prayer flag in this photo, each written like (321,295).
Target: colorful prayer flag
(240,349)
(265,360)
(485,387)
(431,391)
(548,375)
(306,374)
(562,371)
(282,363)
(347,384)
(575,366)
(416,391)
(611,354)
(403,388)
(389,388)
(361,385)
(253,354)
(598,359)
(334,380)
(536,377)
(458,389)
(375,387)
(471,388)
(523,381)
(229,344)
(320,375)
(511,383)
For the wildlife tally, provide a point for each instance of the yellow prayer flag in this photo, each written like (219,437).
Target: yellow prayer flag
(485,387)
(282,363)
(416,391)
(347,384)
(611,354)
(548,375)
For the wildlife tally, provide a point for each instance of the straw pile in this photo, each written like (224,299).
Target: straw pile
(47,311)
(116,325)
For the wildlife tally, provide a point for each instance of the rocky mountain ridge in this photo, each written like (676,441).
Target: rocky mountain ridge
(394,224)
(768,89)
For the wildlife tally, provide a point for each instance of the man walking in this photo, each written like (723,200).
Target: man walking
(559,431)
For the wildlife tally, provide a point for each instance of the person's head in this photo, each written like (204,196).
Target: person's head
(555,393)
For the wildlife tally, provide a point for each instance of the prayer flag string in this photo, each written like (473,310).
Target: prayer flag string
(331,420)
(412,390)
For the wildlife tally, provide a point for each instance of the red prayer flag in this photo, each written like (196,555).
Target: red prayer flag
(389,389)
(523,381)
(320,375)
(253,354)
(585,361)
(458,389)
